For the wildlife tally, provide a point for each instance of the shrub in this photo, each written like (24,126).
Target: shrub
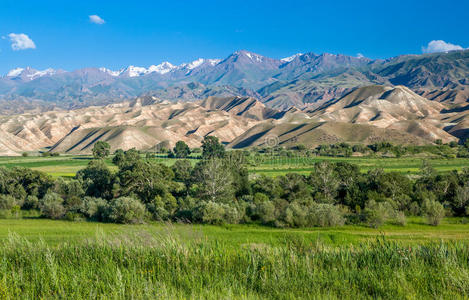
(73,216)
(400,218)
(93,208)
(24,154)
(232,214)
(266,212)
(31,202)
(434,212)
(7,202)
(210,212)
(414,209)
(162,207)
(377,213)
(126,210)
(52,206)
(325,215)
(295,215)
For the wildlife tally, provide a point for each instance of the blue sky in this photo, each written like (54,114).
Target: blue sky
(61,34)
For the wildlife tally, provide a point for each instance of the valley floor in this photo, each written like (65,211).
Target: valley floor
(68,165)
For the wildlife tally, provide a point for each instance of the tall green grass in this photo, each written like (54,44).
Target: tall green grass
(142,265)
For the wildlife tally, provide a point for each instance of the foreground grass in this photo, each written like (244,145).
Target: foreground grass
(150,266)
(41,258)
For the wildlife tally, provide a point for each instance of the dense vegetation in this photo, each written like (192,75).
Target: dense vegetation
(218,189)
(380,149)
(146,266)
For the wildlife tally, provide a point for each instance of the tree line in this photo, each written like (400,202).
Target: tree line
(218,189)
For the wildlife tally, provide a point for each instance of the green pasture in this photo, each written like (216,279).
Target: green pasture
(415,232)
(67,166)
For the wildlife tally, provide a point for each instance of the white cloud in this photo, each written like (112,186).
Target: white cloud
(20,41)
(440,46)
(359,55)
(96,19)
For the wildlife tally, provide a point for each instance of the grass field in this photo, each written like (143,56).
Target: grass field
(45,259)
(415,232)
(67,166)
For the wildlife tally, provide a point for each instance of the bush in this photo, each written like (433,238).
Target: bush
(7,202)
(210,212)
(52,206)
(31,202)
(126,210)
(325,215)
(377,213)
(162,207)
(73,216)
(434,212)
(400,218)
(414,209)
(295,215)
(266,212)
(93,208)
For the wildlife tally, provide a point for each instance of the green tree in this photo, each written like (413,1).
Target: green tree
(214,180)
(181,150)
(211,148)
(97,179)
(145,179)
(101,149)
(119,158)
(182,172)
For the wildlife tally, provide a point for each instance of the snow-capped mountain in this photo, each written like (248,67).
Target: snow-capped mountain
(30,73)
(162,68)
(296,80)
(290,58)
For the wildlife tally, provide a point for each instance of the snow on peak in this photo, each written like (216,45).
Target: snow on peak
(38,74)
(195,63)
(213,62)
(133,71)
(252,56)
(30,73)
(110,72)
(15,72)
(290,58)
(162,68)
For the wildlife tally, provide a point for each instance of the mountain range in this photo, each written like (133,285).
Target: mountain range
(303,80)
(245,100)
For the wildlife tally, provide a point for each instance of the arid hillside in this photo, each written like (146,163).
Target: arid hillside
(365,115)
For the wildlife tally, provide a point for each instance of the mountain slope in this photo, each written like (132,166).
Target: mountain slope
(143,124)
(387,107)
(301,80)
(242,106)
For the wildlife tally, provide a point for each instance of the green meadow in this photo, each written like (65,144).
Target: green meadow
(54,232)
(68,165)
